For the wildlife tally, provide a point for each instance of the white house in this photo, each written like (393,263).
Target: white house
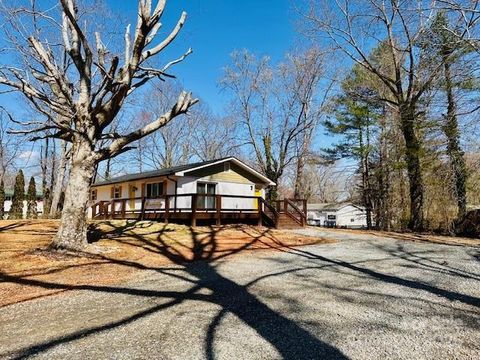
(8,203)
(226,186)
(344,215)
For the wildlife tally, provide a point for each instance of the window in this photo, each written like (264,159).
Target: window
(352,220)
(226,166)
(93,194)
(154,190)
(116,192)
(331,217)
(206,196)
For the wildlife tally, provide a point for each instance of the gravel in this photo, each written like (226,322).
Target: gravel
(361,298)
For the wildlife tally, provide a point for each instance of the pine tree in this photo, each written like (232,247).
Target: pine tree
(32,200)
(2,199)
(16,210)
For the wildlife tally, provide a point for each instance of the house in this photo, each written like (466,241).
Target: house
(8,203)
(223,190)
(344,215)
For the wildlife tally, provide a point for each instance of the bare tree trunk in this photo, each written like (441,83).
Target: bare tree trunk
(299,183)
(454,150)
(412,157)
(59,179)
(72,234)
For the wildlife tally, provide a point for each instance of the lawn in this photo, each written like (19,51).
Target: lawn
(117,251)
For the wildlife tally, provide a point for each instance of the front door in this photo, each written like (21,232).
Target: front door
(131,195)
(258,193)
(206,196)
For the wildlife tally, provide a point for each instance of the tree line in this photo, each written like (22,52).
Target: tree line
(394,85)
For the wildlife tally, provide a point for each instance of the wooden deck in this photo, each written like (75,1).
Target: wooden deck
(198,208)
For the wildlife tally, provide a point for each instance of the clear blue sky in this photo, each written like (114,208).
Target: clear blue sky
(215,28)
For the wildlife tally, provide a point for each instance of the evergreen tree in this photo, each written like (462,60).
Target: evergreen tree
(2,199)
(443,44)
(16,210)
(32,200)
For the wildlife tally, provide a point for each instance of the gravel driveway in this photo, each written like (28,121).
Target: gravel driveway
(360,298)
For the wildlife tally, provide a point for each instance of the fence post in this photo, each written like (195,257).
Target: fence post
(218,203)
(194,210)
(167,208)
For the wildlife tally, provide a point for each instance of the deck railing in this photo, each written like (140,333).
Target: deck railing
(201,206)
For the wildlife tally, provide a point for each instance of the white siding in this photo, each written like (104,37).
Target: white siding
(351,216)
(8,205)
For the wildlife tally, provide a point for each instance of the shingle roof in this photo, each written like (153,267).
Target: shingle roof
(154,173)
(169,171)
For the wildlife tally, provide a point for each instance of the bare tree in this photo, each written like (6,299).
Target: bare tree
(269,102)
(172,144)
(75,76)
(214,137)
(10,146)
(353,26)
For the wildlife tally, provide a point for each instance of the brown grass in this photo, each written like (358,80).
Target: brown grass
(119,250)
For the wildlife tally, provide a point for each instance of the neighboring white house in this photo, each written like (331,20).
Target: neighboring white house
(345,215)
(8,203)
(237,182)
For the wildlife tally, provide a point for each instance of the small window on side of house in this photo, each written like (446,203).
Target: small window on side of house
(93,194)
(226,166)
(117,192)
(352,220)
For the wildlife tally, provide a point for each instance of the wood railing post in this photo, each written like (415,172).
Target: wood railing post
(142,210)
(260,211)
(167,208)
(124,206)
(194,210)
(112,214)
(285,206)
(104,210)
(218,204)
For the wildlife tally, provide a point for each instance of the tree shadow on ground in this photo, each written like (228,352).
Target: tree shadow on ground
(198,261)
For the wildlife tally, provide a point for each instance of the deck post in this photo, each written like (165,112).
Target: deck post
(142,210)
(124,205)
(104,211)
(260,211)
(194,210)
(167,208)
(218,204)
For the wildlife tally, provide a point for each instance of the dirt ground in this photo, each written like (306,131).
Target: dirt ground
(118,249)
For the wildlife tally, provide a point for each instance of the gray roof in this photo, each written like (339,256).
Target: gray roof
(175,170)
(154,173)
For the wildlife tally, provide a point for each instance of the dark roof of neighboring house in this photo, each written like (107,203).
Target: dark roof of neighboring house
(9,192)
(170,171)
(330,206)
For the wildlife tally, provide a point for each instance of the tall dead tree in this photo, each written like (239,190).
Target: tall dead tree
(87,91)
(353,26)
(272,105)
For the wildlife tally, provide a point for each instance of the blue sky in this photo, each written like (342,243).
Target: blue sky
(215,28)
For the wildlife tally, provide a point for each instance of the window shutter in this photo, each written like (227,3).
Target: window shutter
(143,190)
(120,191)
(112,192)
(164,190)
